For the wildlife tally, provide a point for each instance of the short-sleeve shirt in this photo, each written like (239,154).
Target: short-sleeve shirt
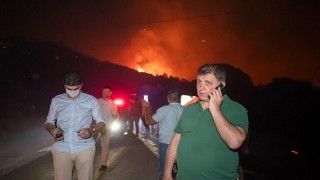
(167,116)
(201,153)
(71,116)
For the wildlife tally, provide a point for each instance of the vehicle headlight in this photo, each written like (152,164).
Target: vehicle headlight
(115,126)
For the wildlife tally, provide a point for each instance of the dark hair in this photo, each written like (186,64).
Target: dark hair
(174,95)
(72,78)
(107,87)
(217,70)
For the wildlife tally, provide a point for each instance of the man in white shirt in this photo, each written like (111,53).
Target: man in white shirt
(110,113)
(69,122)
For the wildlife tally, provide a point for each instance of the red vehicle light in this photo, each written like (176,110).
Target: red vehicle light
(119,102)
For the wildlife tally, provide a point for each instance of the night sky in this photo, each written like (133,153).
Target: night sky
(264,38)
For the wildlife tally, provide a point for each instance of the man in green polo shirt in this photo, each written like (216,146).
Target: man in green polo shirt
(209,132)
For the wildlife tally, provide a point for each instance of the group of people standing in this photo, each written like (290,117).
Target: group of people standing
(136,112)
(202,138)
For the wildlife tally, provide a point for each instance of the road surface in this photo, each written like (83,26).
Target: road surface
(27,156)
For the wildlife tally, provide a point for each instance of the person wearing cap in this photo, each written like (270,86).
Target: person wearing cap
(69,122)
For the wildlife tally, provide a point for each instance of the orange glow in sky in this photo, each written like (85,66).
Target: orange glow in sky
(264,39)
(145,54)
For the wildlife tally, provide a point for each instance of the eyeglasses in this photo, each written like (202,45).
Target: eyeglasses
(72,88)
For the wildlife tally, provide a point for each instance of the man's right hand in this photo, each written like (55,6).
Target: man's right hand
(54,133)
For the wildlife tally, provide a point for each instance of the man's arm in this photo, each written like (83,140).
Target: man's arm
(53,131)
(148,117)
(97,127)
(86,133)
(232,135)
(114,112)
(50,128)
(51,121)
(171,157)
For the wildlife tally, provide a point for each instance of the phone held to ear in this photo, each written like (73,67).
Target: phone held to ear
(223,91)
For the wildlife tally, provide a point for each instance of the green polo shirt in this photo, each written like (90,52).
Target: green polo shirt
(201,153)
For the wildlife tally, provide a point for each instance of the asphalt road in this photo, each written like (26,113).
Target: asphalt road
(27,156)
(22,148)
(138,160)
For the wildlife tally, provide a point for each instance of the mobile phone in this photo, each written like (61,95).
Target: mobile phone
(223,91)
(146,97)
(59,133)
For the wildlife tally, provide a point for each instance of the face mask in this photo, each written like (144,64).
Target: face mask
(73,93)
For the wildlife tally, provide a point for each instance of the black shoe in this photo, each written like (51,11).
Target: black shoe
(103,168)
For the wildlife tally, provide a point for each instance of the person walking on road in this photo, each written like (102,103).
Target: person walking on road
(135,113)
(147,129)
(167,116)
(209,132)
(74,145)
(110,113)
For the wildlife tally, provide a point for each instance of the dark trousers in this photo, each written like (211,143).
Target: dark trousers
(146,126)
(134,120)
